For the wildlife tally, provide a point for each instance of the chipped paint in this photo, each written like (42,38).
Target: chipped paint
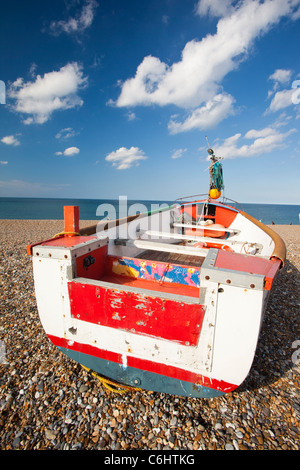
(116,302)
(140,306)
(138,313)
(116,316)
(124,361)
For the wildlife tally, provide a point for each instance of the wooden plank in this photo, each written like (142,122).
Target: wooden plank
(165,257)
(178,236)
(206,227)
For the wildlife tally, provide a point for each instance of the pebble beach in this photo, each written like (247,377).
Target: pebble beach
(49,402)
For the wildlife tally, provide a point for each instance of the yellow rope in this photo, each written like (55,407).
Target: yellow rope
(65,233)
(111,385)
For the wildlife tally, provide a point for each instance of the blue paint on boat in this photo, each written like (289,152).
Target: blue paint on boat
(140,378)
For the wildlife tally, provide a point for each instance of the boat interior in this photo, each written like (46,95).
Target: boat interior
(151,264)
(166,260)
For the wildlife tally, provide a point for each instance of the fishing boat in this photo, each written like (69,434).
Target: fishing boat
(170,300)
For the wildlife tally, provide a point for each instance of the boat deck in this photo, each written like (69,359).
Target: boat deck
(174,258)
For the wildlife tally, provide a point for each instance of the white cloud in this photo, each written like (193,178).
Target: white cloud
(282,99)
(282,120)
(77,24)
(3,163)
(206,116)
(296,14)
(255,134)
(281,76)
(57,90)
(131,116)
(195,81)
(178,153)
(10,140)
(66,133)
(264,141)
(32,70)
(216,8)
(69,152)
(2,92)
(124,158)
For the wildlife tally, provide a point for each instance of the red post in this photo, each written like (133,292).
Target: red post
(71,217)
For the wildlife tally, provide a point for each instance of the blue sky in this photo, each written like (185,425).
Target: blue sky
(107,98)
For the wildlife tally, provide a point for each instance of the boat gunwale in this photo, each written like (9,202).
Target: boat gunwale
(279,251)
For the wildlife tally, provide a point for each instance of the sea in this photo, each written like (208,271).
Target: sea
(96,209)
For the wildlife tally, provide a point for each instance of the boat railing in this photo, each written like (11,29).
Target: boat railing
(178,200)
(230,201)
(224,200)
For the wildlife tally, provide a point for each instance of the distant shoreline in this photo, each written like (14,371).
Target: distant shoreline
(94,209)
(139,199)
(32,231)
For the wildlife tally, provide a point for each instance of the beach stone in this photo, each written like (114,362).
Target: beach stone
(173,421)
(47,401)
(229,447)
(50,435)
(16,442)
(130,430)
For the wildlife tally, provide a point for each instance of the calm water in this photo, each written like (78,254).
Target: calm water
(35,208)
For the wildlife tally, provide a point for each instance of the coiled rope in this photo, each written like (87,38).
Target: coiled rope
(70,234)
(110,384)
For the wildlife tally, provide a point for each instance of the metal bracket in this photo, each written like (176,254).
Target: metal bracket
(227,276)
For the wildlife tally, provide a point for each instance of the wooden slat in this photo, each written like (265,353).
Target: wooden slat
(166,247)
(206,227)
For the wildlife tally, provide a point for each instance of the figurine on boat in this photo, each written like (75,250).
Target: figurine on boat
(169,301)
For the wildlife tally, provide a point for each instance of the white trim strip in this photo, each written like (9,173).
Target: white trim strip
(207,227)
(168,247)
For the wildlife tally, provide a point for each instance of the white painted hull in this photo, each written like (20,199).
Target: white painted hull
(204,345)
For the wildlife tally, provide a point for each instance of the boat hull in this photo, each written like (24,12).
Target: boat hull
(184,328)
(136,377)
